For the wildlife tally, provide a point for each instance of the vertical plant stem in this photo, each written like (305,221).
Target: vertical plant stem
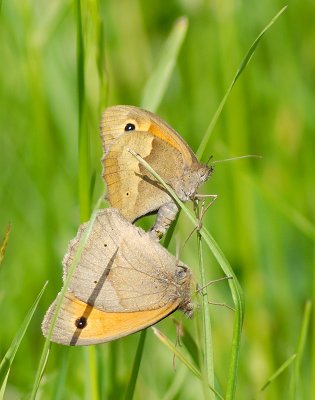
(236,290)
(84,180)
(59,388)
(206,321)
(296,388)
(83,167)
(152,96)
(136,366)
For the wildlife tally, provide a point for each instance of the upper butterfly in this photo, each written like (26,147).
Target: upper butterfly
(130,187)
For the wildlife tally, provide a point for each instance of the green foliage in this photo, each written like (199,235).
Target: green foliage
(59,68)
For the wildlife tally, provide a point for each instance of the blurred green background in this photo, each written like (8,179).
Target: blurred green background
(263,219)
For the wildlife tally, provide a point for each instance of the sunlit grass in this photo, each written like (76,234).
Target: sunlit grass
(263,217)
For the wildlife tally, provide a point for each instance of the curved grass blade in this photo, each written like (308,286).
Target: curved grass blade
(296,386)
(239,71)
(136,366)
(168,343)
(236,291)
(279,371)
(76,259)
(157,84)
(10,354)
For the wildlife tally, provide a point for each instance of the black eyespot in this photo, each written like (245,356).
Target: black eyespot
(81,323)
(130,127)
(105,244)
(127,194)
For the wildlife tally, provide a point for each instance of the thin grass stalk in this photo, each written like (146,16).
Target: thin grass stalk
(168,343)
(296,386)
(83,157)
(10,354)
(136,365)
(206,321)
(113,369)
(47,344)
(236,291)
(152,96)
(91,379)
(59,388)
(84,180)
(205,140)
(279,371)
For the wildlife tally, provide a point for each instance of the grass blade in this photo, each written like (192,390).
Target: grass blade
(296,387)
(279,371)
(10,354)
(83,161)
(168,343)
(206,321)
(151,98)
(45,352)
(136,366)
(236,291)
(241,68)
(59,392)
(157,84)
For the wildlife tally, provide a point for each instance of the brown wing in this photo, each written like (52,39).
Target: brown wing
(130,188)
(81,324)
(123,282)
(121,268)
(115,119)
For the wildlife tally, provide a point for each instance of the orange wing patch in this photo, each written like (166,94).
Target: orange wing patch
(79,323)
(157,132)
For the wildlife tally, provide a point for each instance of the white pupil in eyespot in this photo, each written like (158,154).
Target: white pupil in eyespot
(130,127)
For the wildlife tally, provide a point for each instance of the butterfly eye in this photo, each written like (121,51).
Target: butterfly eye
(130,127)
(181,272)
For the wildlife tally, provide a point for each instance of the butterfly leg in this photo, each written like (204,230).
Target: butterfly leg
(165,216)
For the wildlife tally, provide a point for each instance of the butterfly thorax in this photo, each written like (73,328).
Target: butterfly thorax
(192,178)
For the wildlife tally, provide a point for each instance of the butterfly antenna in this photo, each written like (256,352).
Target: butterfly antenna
(237,158)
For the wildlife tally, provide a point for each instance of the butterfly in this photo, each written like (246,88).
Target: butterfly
(124,281)
(130,187)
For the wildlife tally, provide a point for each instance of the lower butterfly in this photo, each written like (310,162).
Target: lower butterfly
(124,281)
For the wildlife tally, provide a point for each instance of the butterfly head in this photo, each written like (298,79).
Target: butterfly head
(184,282)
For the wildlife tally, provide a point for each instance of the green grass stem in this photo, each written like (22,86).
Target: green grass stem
(7,360)
(205,140)
(296,383)
(136,366)
(206,321)
(235,288)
